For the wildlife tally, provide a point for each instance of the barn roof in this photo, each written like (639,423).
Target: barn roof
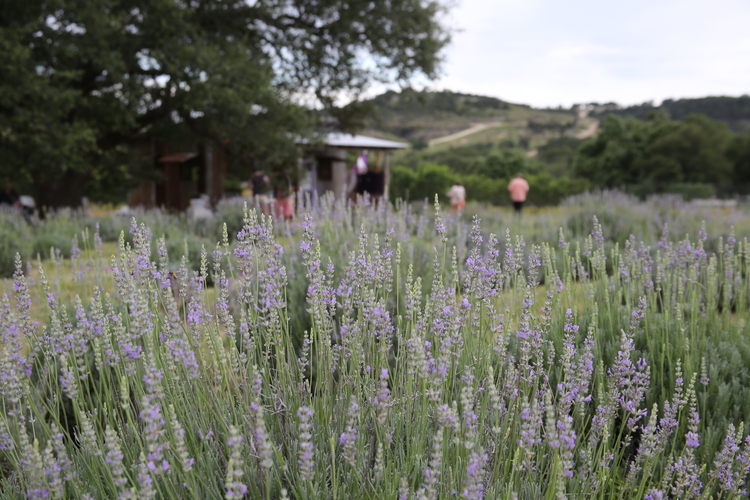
(350,141)
(341,140)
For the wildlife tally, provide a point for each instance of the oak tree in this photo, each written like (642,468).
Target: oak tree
(81,79)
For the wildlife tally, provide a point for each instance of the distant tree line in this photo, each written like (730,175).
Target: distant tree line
(658,153)
(412,101)
(695,157)
(734,111)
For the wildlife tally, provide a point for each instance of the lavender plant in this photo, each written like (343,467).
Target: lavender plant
(381,352)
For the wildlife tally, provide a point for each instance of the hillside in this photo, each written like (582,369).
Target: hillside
(734,111)
(447,119)
(458,130)
(469,133)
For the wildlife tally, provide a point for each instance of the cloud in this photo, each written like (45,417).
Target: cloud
(546,52)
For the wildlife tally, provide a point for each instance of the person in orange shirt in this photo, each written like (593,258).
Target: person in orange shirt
(518,188)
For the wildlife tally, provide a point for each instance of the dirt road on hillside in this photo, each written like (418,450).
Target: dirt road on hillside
(588,131)
(471,130)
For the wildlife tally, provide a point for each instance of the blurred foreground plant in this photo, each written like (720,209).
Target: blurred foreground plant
(430,367)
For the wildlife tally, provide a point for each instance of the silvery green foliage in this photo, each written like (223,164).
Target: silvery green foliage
(373,352)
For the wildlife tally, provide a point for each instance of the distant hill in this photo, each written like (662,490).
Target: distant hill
(456,119)
(458,130)
(734,111)
(463,130)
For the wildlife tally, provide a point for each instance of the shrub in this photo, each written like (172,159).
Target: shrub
(427,180)
(402,183)
(14,238)
(483,189)
(432,179)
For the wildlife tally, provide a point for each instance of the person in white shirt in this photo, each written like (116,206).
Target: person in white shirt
(457,194)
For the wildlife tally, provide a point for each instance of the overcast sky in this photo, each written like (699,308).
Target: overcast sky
(556,52)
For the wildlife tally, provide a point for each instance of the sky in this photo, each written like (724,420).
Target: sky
(554,52)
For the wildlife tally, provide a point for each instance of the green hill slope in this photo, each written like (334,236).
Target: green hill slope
(458,130)
(448,119)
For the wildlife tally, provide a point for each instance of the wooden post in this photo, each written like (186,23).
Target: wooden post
(387,175)
(208,162)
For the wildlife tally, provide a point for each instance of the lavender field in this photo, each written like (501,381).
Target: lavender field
(596,350)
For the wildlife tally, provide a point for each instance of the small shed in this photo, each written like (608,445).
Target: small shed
(327,168)
(184,172)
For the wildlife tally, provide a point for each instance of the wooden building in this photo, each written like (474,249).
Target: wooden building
(190,170)
(184,172)
(328,167)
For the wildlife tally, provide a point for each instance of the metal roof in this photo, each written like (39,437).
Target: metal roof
(341,140)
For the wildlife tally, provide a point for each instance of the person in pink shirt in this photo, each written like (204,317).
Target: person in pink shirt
(518,188)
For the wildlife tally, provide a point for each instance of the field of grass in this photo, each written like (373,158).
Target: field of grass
(385,352)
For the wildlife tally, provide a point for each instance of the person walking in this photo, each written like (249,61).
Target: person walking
(457,194)
(285,201)
(261,184)
(518,188)
(8,196)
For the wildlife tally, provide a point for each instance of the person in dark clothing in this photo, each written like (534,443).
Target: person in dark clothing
(261,184)
(8,196)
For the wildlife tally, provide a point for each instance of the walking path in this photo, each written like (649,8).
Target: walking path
(463,133)
(588,131)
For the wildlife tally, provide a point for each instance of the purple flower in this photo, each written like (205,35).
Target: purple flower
(432,473)
(145,481)
(693,440)
(114,456)
(473,487)
(305,461)
(381,401)
(724,472)
(236,489)
(348,438)
(154,432)
(262,439)
(439,225)
(654,494)
(182,352)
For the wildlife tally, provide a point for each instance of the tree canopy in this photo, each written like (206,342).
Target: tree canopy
(660,151)
(83,78)
(734,111)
